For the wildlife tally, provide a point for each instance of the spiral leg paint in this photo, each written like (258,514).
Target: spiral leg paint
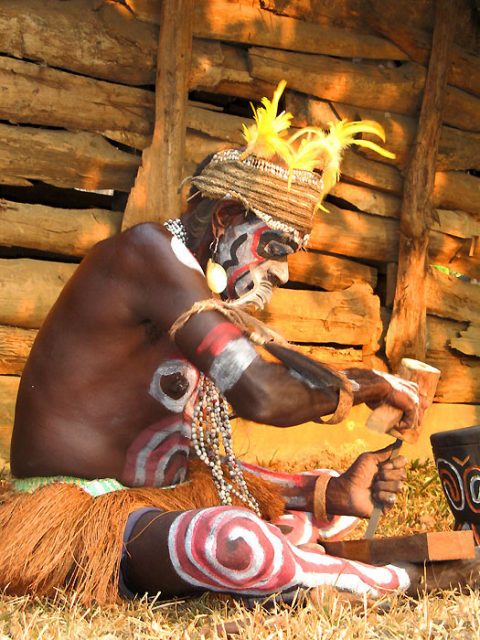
(301,527)
(230,549)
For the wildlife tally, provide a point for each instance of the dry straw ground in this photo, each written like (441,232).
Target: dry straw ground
(333,616)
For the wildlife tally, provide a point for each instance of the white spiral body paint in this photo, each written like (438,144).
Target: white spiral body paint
(232,550)
(158,456)
(297,524)
(184,256)
(182,367)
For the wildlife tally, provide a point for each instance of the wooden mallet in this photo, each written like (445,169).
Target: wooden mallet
(385,418)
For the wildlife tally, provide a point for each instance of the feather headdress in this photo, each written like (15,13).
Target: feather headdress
(310,148)
(284,178)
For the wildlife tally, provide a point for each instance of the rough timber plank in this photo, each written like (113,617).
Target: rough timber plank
(350,13)
(457,150)
(419,547)
(15,345)
(450,297)
(156,194)
(406,334)
(64,159)
(350,317)
(28,289)
(397,90)
(468,341)
(329,272)
(460,379)
(83,36)
(69,232)
(8,396)
(248,23)
(35,94)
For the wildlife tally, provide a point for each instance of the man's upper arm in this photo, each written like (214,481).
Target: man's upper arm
(167,280)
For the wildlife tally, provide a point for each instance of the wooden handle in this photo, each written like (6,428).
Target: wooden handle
(385,418)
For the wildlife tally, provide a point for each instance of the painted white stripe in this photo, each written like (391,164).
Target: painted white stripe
(142,457)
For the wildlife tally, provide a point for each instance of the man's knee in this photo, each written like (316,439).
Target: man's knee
(230,549)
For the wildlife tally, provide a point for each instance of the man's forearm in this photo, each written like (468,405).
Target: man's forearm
(296,488)
(368,385)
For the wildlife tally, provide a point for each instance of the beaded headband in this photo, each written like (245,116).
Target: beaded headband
(274,176)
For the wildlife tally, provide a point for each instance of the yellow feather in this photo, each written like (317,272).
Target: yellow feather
(308,148)
(265,138)
(374,147)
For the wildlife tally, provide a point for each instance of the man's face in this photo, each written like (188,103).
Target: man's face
(251,252)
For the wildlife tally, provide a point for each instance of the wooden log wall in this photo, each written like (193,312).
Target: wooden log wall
(77,110)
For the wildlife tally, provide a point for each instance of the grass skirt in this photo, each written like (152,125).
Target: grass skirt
(61,537)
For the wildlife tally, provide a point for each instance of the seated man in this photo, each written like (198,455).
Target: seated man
(121,415)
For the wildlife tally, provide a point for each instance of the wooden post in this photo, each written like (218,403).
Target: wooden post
(155,195)
(406,335)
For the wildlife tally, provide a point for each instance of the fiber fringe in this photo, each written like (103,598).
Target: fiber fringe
(61,537)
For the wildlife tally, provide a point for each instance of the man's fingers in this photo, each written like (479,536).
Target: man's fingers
(391,475)
(386,487)
(383,455)
(395,463)
(385,498)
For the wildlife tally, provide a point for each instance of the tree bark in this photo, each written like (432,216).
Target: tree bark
(156,194)
(406,335)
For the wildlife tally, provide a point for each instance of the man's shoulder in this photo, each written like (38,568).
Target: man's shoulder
(144,234)
(150,245)
(144,241)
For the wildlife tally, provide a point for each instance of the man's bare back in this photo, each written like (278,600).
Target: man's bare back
(85,393)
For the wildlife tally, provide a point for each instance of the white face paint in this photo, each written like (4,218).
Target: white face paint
(253,247)
(171,367)
(184,255)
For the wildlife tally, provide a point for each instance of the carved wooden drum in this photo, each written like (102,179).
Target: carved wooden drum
(457,455)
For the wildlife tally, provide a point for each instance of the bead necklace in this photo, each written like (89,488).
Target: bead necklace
(177,229)
(211,428)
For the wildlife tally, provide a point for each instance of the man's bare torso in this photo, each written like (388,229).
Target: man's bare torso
(90,402)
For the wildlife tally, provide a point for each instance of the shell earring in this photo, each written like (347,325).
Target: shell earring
(216,274)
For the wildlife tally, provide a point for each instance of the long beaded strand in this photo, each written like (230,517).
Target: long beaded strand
(210,429)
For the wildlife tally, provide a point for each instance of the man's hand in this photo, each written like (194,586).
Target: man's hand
(377,387)
(372,478)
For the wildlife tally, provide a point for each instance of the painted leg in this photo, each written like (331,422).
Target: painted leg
(231,550)
(301,527)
